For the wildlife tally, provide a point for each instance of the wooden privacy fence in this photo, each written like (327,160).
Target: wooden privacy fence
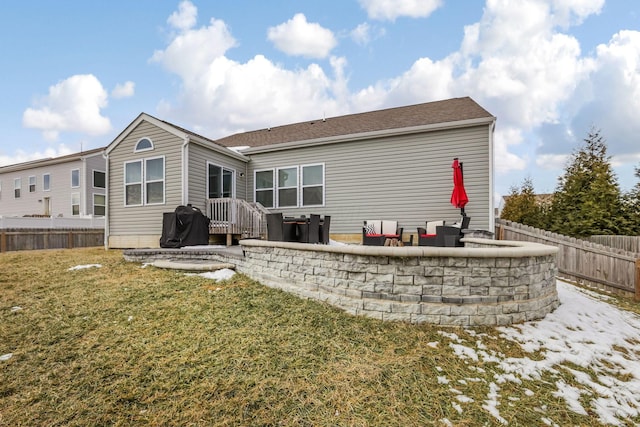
(20,239)
(626,243)
(591,264)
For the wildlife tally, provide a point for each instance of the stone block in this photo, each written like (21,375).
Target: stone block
(400,307)
(377,305)
(403,280)
(407,289)
(435,281)
(425,318)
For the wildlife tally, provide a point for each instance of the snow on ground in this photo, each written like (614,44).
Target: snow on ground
(82,267)
(222,274)
(584,331)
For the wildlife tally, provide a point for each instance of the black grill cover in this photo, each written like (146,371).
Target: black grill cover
(187,226)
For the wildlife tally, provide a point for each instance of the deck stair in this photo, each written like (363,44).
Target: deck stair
(236,219)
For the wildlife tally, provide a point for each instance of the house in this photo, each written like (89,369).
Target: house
(387,164)
(68,186)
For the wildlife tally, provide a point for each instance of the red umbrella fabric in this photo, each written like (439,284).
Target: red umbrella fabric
(459,196)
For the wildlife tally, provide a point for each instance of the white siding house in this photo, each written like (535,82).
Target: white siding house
(66,186)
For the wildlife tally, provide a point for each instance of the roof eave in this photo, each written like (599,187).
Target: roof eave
(370,135)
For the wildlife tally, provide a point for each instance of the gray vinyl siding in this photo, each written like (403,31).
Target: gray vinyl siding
(406,178)
(197,171)
(59,193)
(146,219)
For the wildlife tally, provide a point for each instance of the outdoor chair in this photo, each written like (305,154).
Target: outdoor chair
(450,235)
(324,229)
(376,232)
(309,230)
(275,227)
(428,236)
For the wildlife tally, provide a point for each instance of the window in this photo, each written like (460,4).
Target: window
(17,185)
(264,188)
(99,204)
(46,182)
(32,184)
(75,204)
(288,187)
(297,186)
(313,185)
(75,178)
(219,182)
(133,183)
(99,179)
(144,181)
(144,144)
(154,177)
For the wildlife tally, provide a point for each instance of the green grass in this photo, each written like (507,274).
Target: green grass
(125,346)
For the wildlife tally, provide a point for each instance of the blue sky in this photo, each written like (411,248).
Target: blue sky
(76,73)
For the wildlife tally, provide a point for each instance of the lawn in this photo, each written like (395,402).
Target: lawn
(124,345)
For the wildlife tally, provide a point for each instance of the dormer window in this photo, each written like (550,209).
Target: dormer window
(144,144)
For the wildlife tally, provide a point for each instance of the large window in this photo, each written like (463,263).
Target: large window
(288,187)
(46,182)
(144,182)
(294,186)
(264,188)
(75,178)
(99,179)
(99,204)
(75,203)
(313,185)
(32,184)
(219,182)
(17,186)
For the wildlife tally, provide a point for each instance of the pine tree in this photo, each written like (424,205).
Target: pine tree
(588,200)
(521,206)
(632,206)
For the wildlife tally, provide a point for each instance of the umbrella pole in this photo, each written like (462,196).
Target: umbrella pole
(462,212)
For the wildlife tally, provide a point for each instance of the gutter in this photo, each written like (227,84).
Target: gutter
(185,171)
(107,205)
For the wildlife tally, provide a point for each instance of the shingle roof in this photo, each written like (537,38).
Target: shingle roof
(447,111)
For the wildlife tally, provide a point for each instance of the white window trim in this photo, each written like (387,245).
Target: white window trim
(302,186)
(93,179)
(224,168)
(272,189)
(143,183)
(79,204)
(163,180)
(43,187)
(35,183)
(93,206)
(72,171)
(141,150)
(276,183)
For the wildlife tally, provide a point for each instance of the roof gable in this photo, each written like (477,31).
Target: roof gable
(179,132)
(431,113)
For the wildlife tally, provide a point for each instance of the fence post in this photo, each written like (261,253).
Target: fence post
(3,241)
(637,298)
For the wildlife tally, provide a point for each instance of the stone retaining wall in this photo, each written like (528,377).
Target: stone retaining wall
(485,283)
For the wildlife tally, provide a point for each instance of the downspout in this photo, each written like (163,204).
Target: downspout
(185,171)
(492,209)
(106,201)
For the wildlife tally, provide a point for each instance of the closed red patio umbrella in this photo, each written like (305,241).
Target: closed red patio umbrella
(459,196)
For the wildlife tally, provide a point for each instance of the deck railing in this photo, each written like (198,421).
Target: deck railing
(236,217)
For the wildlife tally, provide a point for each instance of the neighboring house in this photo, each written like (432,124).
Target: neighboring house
(386,164)
(66,186)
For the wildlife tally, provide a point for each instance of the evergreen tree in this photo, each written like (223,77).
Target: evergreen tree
(522,206)
(632,206)
(588,200)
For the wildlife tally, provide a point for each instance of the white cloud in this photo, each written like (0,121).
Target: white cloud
(392,9)
(185,17)
(299,37)
(361,34)
(21,156)
(552,161)
(123,90)
(72,105)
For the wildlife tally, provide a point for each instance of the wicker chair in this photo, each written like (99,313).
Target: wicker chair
(376,232)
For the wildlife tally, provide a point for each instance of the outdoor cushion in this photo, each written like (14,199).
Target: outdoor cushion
(428,235)
(431,226)
(377,226)
(369,229)
(389,227)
